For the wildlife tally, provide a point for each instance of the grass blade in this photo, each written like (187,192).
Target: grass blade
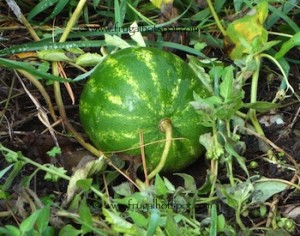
(40,7)
(30,69)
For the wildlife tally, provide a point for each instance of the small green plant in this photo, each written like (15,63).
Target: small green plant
(35,224)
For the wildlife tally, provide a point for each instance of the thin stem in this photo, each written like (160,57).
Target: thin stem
(72,20)
(56,85)
(215,15)
(214,161)
(280,34)
(166,127)
(141,135)
(29,161)
(229,169)
(214,176)
(17,11)
(253,98)
(63,38)
(272,59)
(238,218)
(48,170)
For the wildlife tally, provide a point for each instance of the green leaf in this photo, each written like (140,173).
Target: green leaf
(40,7)
(10,230)
(5,170)
(160,187)
(85,216)
(13,174)
(235,196)
(136,35)
(29,68)
(266,189)
(143,200)
(226,86)
(84,184)
(138,219)
(222,223)
(213,230)
(44,67)
(54,152)
(116,41)
(120,225)
(189,181)
(206,108)
(124,189)
(241,160)
(288,45)
(177,46)
(153,222)
(283,14)
(180,204)
(247,34)
(213,150)
(197,67)
(227,110)
(89,59)
(54,55)
(261,106)
(171,227)
(46,45)
(53,176)
(29,222)
(269,45)
(69,230)
(206,187)
(169,185)
(58,8)
(43,219)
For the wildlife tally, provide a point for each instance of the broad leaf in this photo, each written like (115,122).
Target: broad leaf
(288,45)
(235,196)
(189,181)
(124,189)
(29,222)
(85,216)
(138,219)
(226,86)
(160,186)
(55,55)
(43,219)
(247,34)
(153,222)
(266,189)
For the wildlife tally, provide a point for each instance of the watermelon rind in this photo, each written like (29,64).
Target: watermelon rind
(131,92)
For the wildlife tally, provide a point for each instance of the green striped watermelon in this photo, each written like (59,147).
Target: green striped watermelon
(135,89)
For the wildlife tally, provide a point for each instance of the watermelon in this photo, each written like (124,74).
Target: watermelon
(132,91)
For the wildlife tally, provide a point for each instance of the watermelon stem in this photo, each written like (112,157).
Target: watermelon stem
(166,127)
